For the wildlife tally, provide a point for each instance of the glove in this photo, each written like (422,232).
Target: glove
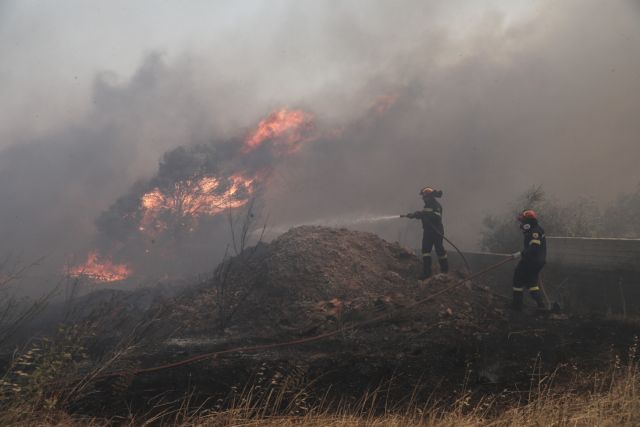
(410,215)
(516,255)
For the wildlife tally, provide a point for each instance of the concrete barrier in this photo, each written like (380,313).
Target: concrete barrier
(614,255)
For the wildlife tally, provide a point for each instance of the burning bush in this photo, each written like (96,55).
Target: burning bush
(158,218)
(100,269)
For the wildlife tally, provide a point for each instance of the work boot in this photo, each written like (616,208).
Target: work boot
(555,308)
(517,303)
(537,296)
(426,267)
(444,264)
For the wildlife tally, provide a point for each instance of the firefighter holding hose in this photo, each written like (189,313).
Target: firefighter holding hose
(532,260)
(432,231)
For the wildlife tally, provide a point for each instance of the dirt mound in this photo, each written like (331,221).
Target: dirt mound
(313,278)
(319,262)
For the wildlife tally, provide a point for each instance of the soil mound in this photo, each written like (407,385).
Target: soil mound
(313,278)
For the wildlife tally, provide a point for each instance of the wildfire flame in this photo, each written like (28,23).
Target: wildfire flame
(287,127)
(192,198)
(100,270)
(210,195)
(177,207)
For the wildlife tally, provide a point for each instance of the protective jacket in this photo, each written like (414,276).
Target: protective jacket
(535,243)
(431,216)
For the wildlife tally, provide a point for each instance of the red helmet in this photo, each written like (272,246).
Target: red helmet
(527,214)
(430,192)
(426,191)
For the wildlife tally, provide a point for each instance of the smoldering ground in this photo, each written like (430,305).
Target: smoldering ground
(481,108)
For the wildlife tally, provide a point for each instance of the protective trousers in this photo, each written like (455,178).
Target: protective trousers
(429,240)
(527,275)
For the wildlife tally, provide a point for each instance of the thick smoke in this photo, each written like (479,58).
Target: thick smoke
(550,101)
(403,100)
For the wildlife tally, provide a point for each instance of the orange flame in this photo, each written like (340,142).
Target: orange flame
(288,126)
(194,198)
(100,270)
(189,199)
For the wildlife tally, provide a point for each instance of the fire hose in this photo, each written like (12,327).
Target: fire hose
(262,347)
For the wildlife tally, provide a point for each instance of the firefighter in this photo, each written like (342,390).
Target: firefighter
(532,259)
(432,231)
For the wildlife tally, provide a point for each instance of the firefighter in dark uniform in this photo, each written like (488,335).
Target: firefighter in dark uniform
(432,231)
(532,260)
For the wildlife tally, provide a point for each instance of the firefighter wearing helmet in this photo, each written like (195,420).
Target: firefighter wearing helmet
(532,260)
(432,231)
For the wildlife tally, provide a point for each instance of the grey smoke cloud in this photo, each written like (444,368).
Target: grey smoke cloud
(548,102)
(482,112)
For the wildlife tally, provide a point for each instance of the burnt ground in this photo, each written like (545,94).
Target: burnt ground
(314,280)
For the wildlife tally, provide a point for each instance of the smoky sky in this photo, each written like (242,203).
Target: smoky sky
(483,108)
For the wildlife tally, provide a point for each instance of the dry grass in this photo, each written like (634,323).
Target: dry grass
(29,396)
(612,400)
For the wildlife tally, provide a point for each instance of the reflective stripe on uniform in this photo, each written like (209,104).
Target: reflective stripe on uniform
(518,289)
(437,213)
(445,256)
(535,242)
(426,254)
(535,288)
(427,210)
